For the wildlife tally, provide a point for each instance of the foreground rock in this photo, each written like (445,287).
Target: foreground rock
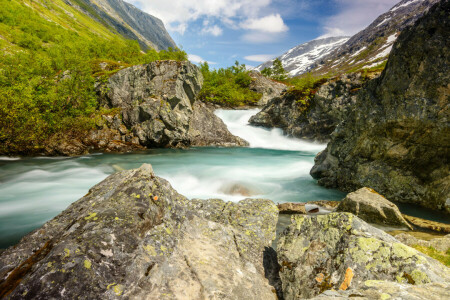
(268,88)
(397,140)
(340,251)
(134,236)
(313,119)
(379,289)
(157,107)
(373,208)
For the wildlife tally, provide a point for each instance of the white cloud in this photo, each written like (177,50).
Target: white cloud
(213,30)
(258,37)
(197,59)
(259,57)
(354,15)
(271,23)
(177,15)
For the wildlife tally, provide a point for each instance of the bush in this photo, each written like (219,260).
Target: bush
(228,87)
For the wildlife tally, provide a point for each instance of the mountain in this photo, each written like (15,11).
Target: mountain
(371,46)
(301,58)
(128,21)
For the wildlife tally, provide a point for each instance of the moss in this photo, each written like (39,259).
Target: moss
(432,252)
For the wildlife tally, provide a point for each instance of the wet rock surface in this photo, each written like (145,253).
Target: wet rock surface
(133,236)
(340,251)
(397,140)
(316,119)
(372,207)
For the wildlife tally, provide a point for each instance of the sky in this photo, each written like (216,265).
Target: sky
(254,31)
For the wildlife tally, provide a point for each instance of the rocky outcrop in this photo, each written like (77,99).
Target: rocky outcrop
(372,207)
(265,86)
(155,106)
(314,119)
(135,237)
(340,251)
(397,141)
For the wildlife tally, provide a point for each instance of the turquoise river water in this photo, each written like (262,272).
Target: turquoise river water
(34,190)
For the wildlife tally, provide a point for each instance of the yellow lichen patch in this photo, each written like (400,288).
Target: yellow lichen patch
(67,251)
(138,196)
(373,283)
(369,244)
(150,250)
(118,289)
(50,264)
(87,264)
(419,277)
(403,251)
(347,279)
(91,216)
(110,285)
(385,296)
(116,218)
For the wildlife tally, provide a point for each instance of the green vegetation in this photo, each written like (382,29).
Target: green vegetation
(228,87)
(277,72)
(48,70)
(304,88)
(443,257)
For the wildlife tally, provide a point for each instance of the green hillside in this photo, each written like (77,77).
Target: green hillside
(49,61)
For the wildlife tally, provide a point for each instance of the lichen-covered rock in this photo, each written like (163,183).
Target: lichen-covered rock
(384,290)
(372,207)
(317,118)
(265,86)
(133,236)
(397,139)
(340,251)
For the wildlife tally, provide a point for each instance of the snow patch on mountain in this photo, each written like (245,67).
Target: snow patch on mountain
(300,59)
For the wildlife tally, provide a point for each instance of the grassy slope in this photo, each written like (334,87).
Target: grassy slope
(40,42)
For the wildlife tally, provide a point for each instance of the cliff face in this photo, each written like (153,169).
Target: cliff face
(128,21)
(397,139)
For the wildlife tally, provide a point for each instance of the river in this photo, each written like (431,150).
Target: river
(34,190)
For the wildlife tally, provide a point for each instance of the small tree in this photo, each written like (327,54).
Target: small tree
(279,73)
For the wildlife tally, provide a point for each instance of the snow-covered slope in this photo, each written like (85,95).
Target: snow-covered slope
(371,46)
(301,58)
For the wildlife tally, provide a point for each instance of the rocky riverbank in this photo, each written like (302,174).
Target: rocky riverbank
(133,237)
(317,118)
(397,141)
(152,106)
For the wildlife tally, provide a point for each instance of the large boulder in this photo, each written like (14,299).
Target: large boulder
(397,139)
(340,251)
(267,87)
(134,236)
(316,118)
(372,207)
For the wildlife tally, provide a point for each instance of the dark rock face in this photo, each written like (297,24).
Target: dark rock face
(339,251)
(317,119)
(397,139)
(128,21)
(134,236)
(265,86)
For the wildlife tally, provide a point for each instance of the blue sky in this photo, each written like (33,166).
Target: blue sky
(253,31)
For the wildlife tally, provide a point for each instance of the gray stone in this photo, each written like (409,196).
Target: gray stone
(340,251)
(372,207)
(441,244)
(268,88)
(134,236)
(397,139)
